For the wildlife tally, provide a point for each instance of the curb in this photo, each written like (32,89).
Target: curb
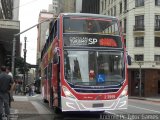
(13,111)
(139,98)
(147,99)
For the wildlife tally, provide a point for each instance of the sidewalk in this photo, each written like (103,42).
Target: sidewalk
(22,108)
(29,108)
(153,99)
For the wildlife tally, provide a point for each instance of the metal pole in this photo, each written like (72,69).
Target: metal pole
(13,54)
(24,82)
(140,80)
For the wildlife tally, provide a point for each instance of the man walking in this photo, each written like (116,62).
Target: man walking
(6,84)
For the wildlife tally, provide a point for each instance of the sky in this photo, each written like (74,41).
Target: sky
(28,16)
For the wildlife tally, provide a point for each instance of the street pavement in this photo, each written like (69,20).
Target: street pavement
(27,108)
(33,108)
(139,109)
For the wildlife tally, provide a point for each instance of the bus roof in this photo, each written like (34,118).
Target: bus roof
(88,15)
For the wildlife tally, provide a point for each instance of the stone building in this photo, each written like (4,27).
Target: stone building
(140,21)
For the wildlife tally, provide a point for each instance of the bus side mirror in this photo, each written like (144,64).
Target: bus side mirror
(129,59)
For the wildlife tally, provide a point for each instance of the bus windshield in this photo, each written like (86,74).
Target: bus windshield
(95,68)
(90,25)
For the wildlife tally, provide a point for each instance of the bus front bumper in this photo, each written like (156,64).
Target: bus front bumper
(70,104)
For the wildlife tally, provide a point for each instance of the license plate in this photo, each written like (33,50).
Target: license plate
(98,105)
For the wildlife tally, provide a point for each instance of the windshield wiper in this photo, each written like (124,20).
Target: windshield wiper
(98,83)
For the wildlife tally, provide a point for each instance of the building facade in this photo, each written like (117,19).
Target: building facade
(43,32)
(65,6)
(140,21)
(55,6)
(90,6)
(78,6)
(9,25)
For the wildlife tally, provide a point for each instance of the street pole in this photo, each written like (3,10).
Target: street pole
(13,53)
(140,80)
(25,51)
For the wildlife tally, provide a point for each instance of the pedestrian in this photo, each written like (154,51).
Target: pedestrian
(16,88)
(8,71)
(27,90)
(6,84)
(30,91)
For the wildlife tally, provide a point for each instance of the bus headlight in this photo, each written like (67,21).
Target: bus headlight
(124,92)
(68,93)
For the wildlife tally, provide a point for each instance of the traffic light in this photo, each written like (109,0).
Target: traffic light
(8,60)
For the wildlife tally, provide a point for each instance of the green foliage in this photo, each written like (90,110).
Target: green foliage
(19,63)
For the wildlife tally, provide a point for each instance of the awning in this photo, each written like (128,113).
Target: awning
(7,29)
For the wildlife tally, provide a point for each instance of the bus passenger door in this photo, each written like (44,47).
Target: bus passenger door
(50,90)
(55,79)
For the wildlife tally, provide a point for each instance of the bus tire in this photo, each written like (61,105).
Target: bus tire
(44,100)
(57,110)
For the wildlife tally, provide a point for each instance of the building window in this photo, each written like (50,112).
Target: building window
(139,41)
(112,1)
(105,4)
(139,22)
(157,22)
(157,42)
(139,3)
(125,25)
(120,8)
(114,10)
(102,5)
(157,2)
(111,11)
(157,58)
(138,57)
(120,24)
(125,5)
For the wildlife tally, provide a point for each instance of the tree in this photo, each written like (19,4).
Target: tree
(20,65)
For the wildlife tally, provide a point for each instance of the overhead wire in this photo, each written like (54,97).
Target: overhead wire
(25,4)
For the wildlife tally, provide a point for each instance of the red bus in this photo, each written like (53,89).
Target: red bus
(84,64)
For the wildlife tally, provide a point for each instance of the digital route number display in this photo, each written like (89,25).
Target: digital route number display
(91,40)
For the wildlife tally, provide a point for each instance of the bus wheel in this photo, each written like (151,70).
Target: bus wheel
(45,101)
(57,110)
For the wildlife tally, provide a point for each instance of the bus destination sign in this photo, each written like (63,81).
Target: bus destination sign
(92,40)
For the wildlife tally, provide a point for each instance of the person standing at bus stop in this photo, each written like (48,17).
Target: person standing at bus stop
(8,70)
(6,84)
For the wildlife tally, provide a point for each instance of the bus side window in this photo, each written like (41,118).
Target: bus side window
(46,73)
(55,58)
(50,71)
(51,31)
(55,29)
